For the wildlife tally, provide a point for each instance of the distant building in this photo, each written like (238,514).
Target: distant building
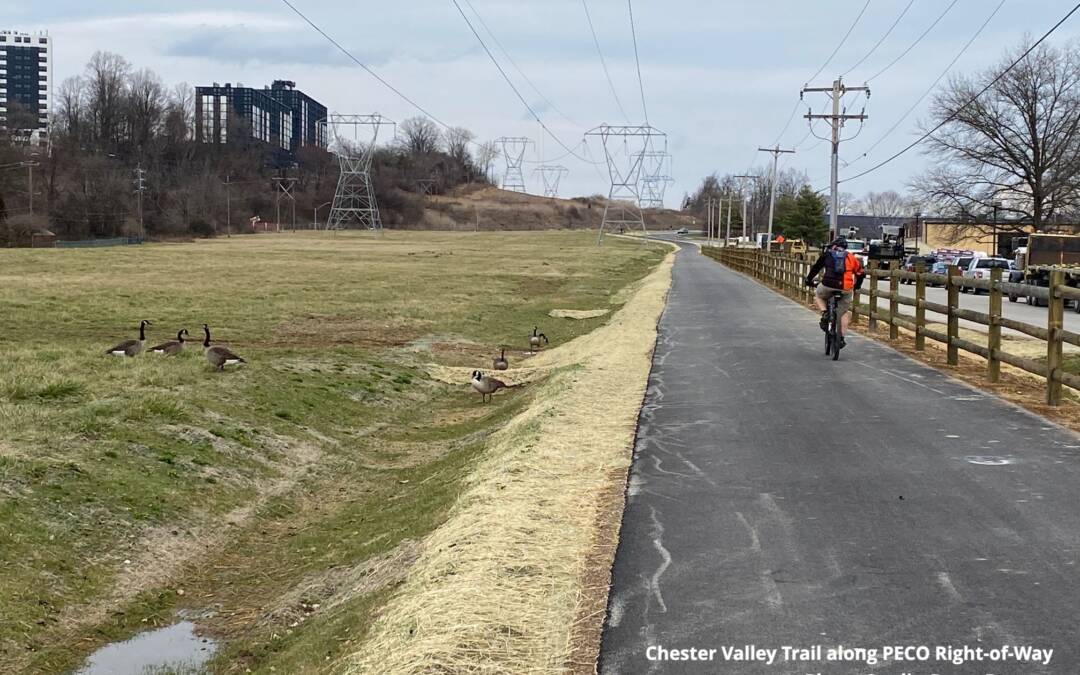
(279,115)
(26,82)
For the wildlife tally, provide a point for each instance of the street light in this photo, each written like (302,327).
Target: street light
(315,219)
(996,205)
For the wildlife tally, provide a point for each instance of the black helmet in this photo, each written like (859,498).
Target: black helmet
(839,242)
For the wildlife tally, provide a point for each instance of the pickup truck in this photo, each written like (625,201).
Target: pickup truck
(1040,256)
(979,268)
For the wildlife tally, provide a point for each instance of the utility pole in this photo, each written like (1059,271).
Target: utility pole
(30,187)
(836,120)
(708,222)
(728,237)
(228,207)
(776,152)
(140,187)
(742,196)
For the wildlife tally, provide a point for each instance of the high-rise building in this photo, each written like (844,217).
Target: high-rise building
(279,115)
(26,83)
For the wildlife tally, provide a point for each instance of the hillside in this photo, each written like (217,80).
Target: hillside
(489,208)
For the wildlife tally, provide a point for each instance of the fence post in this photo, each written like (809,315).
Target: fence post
(873,294)
(920,307)
(894,305)
(993,344)
(1054,324)
(954,321)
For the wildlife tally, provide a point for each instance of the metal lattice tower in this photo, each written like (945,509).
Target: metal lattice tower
(513,150)
(655,165)
(624,150)
(354,199)
(551,175)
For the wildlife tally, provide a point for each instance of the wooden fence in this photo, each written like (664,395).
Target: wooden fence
(787,275)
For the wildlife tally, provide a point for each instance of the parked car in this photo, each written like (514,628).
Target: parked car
(682,230)
(911,261)
(979,268)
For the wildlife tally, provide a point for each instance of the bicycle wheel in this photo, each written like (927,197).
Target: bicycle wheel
(834,329)
(830,333)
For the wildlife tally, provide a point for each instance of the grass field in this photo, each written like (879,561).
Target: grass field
(280,502)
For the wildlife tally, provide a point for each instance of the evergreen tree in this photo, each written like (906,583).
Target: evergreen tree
(803,217)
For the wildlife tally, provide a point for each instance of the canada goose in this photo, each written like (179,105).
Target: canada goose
(172,346)
(218,356)
(487,386)
(534,340)
(500,362)
(131,347)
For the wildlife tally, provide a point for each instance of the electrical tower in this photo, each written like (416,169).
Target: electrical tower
(551,175)
(624,149)
(655,166)
(354,199)
(283,189)
(513,150)
(836,119)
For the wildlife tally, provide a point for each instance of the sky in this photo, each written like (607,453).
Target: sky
(720,78)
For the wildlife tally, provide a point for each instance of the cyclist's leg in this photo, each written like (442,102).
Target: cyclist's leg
(821,296)
(843,307)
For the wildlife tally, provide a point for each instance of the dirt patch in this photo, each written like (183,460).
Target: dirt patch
(328,590)
(577,313)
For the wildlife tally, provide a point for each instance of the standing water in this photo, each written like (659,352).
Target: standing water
(174,649)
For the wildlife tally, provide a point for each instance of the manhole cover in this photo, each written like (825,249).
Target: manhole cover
(988,460)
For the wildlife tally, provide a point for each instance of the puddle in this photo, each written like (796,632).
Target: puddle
(173,649)
(989,460)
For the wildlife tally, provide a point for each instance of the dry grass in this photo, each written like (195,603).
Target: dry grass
(502,585)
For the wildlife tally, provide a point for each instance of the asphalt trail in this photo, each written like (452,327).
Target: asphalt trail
(779,498)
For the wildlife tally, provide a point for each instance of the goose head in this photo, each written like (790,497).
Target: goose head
(477,376)
(180,334)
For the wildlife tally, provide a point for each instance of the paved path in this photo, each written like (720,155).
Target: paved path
(779,498)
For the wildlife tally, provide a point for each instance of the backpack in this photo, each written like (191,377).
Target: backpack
(839,261)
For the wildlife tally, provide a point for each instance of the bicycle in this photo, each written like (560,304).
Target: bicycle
(833,327)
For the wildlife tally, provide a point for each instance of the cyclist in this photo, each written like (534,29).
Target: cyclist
(844,274)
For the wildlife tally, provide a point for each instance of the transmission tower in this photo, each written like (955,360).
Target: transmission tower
(552,175)
(654,178)
(513,150)
(354,140)
(624,150)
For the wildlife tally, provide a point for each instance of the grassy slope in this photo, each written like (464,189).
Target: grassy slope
(330,450)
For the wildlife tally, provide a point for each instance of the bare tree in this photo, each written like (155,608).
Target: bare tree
(1015,149)
(106,76)
(71,105)
(886,204)
(485,158)
(457,140)
(419,136)
(145,110)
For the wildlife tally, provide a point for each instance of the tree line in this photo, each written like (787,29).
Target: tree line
(114,124)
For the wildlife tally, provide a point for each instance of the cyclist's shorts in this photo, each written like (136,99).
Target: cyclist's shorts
(843,305)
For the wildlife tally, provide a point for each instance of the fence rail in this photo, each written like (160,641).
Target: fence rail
(97,243)
(786,274)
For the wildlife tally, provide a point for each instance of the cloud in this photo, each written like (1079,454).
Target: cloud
(240,46)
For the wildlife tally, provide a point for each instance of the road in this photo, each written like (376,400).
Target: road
(1020,311)
(779,498)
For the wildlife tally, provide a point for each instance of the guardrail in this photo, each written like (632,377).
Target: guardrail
(786,274)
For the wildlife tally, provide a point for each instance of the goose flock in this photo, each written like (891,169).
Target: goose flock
(486,385)
(216,355)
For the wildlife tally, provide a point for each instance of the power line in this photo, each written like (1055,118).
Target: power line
(511,83)
(798,104)
(882,40)
(982,91)
(933,84)
(369,71)
(603,62)
(641,84)
(842,41)
(913,44)
(515,65)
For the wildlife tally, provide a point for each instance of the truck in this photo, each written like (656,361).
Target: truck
(889,249)
(1043,254)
